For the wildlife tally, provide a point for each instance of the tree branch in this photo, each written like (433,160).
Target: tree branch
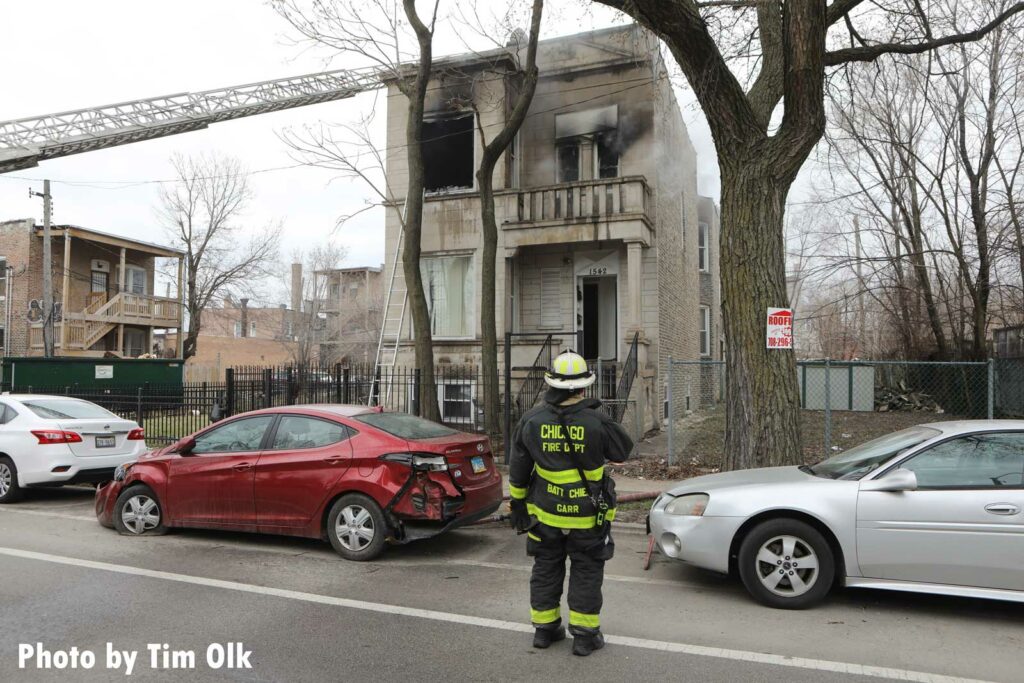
(873,52)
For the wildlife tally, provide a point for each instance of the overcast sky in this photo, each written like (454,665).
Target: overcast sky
(59,55)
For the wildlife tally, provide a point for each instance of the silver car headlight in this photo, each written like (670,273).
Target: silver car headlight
(690,505)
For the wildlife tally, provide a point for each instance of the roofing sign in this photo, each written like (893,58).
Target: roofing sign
(780,328)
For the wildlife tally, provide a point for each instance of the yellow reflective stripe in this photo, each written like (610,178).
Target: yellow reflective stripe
(545,616)
(610,515)
(584,620)
(532,536)
(517,492)
(577,366)
(560,521)
(569,476)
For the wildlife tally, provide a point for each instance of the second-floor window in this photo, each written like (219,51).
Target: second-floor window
(447,145)
(607,158)
(568,159)
(238,329)
(703,256)
(448,284)
(252,329)
(135,280)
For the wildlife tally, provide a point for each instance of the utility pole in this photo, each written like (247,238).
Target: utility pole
(47,270)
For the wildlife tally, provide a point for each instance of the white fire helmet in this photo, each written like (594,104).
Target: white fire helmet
(569,371)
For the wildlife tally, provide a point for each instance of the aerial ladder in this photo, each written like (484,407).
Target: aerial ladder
(26,142)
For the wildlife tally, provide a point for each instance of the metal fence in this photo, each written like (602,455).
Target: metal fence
(168,412)
(843,403)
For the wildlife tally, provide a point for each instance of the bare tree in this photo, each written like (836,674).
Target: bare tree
(932,163)
(760,156)
(312,326)
(201,213)
(398,42)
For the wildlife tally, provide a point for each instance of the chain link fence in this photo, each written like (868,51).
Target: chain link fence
(843,403)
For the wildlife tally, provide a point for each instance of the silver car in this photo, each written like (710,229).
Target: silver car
(937,508)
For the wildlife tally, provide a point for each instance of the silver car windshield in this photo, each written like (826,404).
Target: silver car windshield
(867,457)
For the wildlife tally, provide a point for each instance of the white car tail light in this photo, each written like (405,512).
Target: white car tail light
(137,434)
(52,436)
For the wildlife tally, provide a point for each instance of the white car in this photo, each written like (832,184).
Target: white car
(937,508)
(56,440)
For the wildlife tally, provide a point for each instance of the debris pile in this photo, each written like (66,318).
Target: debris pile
(903,398)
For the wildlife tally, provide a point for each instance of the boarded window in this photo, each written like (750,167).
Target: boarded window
(551,298)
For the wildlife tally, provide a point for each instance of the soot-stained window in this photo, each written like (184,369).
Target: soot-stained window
(448,153)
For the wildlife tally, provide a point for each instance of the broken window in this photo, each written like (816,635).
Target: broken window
(608,155)
(569,161)
(448,153)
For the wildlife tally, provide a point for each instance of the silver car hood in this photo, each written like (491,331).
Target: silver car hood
(755,477)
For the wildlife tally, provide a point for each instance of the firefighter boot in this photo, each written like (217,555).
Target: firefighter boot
(547,634)
(585,643)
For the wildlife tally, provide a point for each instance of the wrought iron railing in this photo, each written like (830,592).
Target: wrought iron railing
(629,372)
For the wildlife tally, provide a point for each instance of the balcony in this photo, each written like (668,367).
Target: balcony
(591,210)
(79,331)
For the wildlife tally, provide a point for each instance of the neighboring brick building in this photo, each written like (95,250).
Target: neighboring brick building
(103,291)
(596,203)
(239,334)
(353,298)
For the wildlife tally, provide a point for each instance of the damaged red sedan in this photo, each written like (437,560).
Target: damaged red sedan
(358,477)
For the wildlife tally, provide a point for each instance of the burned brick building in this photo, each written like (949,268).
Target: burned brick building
(597,209)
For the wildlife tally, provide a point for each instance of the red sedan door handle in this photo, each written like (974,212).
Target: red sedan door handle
(242,467)
(334,459)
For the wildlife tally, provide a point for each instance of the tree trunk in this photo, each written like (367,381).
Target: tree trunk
(762,401)
(423,341)
(416,92)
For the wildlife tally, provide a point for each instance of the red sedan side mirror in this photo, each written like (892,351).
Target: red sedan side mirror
(185,447)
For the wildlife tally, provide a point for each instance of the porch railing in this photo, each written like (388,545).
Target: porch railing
(629,372)
(141,307)
(589,199)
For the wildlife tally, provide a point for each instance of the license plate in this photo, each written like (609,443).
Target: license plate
(105,442)
(478,464)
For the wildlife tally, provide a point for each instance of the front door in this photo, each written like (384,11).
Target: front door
(597,317)
(213,484)
(964,525)
(296,472)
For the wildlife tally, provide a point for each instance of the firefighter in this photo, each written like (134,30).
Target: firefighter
(564,501)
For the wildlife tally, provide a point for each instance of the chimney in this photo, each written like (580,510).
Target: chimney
(245,317)
(296,287)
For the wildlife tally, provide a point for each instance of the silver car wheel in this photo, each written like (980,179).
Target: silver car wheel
(354,528)
(140,514)
(787,566)
(6,479)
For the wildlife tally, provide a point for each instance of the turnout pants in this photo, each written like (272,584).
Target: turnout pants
(588,550)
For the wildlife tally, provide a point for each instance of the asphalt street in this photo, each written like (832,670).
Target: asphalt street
(452,608)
